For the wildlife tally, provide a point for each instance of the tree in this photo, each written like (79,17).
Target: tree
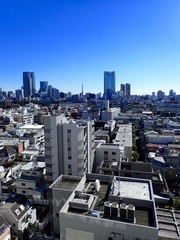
(176,203)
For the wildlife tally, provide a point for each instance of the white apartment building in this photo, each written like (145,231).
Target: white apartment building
(108,152)
(124,139)
(52,149)
(110,114)
(31,181)
(68,147)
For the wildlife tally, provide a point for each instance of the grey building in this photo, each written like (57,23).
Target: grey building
(107,207)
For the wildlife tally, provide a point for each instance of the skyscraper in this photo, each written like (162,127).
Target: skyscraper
(128,90)
(29,84)
(123,89)
(43,86)
(109,84)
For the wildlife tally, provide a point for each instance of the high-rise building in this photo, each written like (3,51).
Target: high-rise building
(29,84)
(43,86)
(128,90)
(109,84)
(68,147)
(123,89)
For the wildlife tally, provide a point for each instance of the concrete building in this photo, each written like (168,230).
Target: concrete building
(59,193)
(31,181)
(156,138)
(18,212)
(110,114)
(69,147)
(108,152)
(106,207)
(124,139)
(52,149)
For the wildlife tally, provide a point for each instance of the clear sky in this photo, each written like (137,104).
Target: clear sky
(72,42)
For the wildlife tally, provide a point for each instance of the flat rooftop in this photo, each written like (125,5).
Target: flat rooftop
(136,193)
(66,182)
(31,126)
(137,190)
(110,146)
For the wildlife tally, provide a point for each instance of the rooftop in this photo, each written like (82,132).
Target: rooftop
(168,223)
(66,182)
(135,194)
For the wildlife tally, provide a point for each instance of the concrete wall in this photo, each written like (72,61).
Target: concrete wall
(101,229)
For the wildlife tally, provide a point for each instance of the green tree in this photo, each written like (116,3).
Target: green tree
(176,203)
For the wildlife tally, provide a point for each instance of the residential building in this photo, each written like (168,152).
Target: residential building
(69,147)
(5,229)
(31,180)
(124,139)
(53,142)
(18,212)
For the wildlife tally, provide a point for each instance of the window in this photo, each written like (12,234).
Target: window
(69,157)
(113,153)
(105,152)
(23,184)
(23,191)
(69,166)
(69,149)
(68,130)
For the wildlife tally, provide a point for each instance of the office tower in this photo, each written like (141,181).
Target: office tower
(55,94)
(109,84)
(128,90)
(160,95)
(171,93)
(43,87)
(68,147)
(122,88)
(29,84)
(19,94)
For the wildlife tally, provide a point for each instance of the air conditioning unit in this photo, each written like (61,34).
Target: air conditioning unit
(107,209)
(114,210)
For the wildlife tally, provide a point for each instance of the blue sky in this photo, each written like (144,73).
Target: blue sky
(72,42)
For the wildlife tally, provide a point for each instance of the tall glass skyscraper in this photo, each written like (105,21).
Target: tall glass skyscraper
(128,90)
(109,84)
(43,86)
(29,84)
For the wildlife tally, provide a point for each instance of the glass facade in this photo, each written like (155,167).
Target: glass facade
(29,84)
(109,84)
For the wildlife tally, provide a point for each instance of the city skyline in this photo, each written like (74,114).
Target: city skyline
(69,44)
